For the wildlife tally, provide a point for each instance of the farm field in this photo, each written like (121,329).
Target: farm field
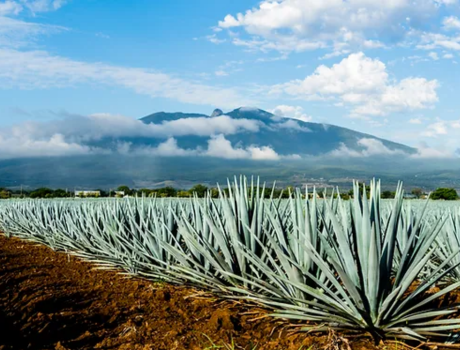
(51,301)
(241,269)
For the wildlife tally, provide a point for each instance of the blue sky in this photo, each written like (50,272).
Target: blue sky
(386,68)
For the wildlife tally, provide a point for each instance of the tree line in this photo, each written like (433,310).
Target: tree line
(201,190)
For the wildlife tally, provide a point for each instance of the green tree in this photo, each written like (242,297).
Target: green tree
(417,192)
(199,189)
(214,193)
(4,193)
(167,192)
(183,194)
(388,194)
(42,192)
(124,189)
(447,194)
(60,193)
(146,192)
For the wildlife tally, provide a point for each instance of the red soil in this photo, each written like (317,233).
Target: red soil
(49,300)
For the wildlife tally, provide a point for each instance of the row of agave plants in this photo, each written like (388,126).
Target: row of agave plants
(359,265)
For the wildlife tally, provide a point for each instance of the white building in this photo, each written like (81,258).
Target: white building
(87,193)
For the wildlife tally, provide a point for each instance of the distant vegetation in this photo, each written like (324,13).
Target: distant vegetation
(447,194)
(201,190)
(362,265)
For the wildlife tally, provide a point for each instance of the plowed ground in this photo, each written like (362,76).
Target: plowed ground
(50,300)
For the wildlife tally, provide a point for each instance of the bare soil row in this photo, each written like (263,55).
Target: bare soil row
(50,300)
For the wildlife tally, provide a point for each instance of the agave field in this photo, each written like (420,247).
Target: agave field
(390,268)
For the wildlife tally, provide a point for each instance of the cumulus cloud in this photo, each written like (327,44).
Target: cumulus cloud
(441,128)
(431,41)
(168,148)
(298,25)
(292,125)
(368,147)
(426,152)
(451,23)
(20,146)
(444,135)
(98,126)
(40,70)
(363,84)
(219,146)
(293,112)
(74,135)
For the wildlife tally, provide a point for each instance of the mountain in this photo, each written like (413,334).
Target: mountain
(286,136)
(182,149)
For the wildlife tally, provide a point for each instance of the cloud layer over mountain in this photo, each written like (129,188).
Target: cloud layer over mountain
(246,133)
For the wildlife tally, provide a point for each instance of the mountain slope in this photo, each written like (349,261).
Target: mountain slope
(175,148)
(285,136)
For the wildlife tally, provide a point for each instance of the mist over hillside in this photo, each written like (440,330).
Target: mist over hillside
(182,149)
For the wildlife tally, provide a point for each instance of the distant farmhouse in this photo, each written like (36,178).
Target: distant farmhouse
(119,193)
(87,193)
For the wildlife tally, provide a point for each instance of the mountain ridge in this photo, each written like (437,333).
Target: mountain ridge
(323,138)
(237,152)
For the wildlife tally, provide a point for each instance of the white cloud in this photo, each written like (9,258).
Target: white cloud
(214,39)
(448,56)
(205,126)
(168,148)
(71,136)
(293,112)
(283,44)
(425,152)
(16,33)
(263,153)
(292,125)
(441,128)
(368,147)
(444,150)
(415,121)
(451,23)
(446,2)
(12,8)
(444,137)
(40,70)
(219,146)
(9,7)
(430,41)
(434,56)
(334,54)
(98,126)
(356,73)
(363,84)
(19,146)
(280,24)
(273,59)
(43,5)
(221,73)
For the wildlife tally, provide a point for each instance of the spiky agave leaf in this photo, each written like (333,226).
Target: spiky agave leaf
(351,265)
(358,266)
